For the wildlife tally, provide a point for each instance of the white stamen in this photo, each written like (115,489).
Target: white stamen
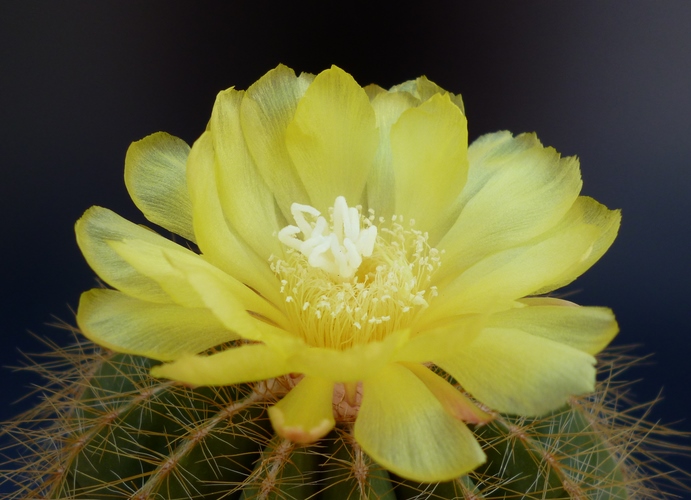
(387,292)
(299,212)
(339,251)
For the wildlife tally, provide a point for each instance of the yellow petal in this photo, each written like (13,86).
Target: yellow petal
(236,365)
(422,89)
(373,90)
(516,190)
(172,269)
(454,401)
(218,242)
(607,223)
(588,329)
(95,229)
(155,176)
(428,146)
(158,331)
(388,107)
(515,372)
(305,414)
(152,261)
(495,282)
(444,337)
(219,296)
(404,428)
(350,365)
(266,110)
(333,138)
(247,201)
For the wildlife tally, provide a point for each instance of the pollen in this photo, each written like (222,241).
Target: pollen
(349,282)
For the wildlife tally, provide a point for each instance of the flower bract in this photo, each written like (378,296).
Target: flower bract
(354,248)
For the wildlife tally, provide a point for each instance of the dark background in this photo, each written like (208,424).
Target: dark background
(607,81)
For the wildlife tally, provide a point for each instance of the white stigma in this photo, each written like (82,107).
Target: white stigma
(339,250)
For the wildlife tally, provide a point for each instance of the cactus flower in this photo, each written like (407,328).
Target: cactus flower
(352,250)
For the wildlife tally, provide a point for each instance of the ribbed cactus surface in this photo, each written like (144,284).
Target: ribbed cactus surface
(111,431)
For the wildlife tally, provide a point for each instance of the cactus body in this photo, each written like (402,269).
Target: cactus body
(119,433)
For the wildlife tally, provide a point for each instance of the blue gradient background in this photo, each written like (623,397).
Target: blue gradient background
(607,81)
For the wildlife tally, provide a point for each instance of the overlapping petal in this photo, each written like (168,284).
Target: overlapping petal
(158,331)
(235,365)
(350,365)
(422,89)
(444,337)
(589,329)
(155,177)
(550,260)
(332,139)
(428,148)
(99,226)
(247,202)
(219,243)
(516,190)
(187,280)
(605,221)
(495,282)
(217,294)
(388,107)
(403,427)
(515,372)
(454,402)
(266,111)
(171,269)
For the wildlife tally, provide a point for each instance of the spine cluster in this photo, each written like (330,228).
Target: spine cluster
(106,429)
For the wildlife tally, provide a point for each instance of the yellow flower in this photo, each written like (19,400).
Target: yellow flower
(350,241)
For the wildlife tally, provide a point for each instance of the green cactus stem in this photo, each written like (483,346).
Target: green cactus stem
(108,430)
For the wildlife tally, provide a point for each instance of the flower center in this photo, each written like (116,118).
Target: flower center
(338,252)
(348,282)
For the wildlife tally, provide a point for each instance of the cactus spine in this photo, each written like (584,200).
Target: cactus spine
(108,430)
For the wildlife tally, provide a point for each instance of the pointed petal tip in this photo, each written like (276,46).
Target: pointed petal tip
(161,371)
(298,433)
(92,211)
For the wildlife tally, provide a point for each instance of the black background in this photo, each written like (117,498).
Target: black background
(607,81)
